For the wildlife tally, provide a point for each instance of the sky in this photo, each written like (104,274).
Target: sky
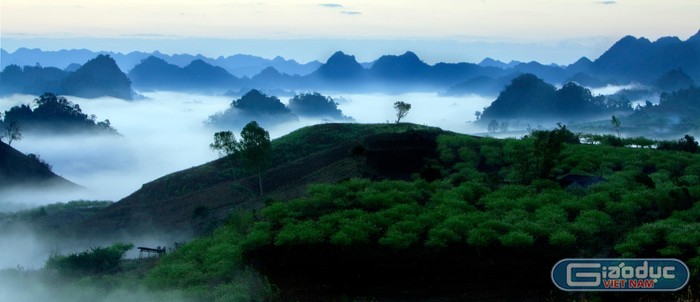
(439,30)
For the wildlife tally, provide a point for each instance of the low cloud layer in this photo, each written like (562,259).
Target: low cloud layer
(166,133)
(31,287)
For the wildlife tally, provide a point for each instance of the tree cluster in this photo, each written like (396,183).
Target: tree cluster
(677,112)
(96,261)
(528,97)
(51,113)
(316,105)
(254,148)
(269,110)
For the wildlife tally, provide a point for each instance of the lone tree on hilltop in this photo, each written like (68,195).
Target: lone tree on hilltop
(256,149)
(401,110)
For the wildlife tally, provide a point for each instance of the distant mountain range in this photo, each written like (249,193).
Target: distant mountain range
(239,65)
(630,60)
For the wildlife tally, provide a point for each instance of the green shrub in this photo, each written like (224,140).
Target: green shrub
(97,260)
(562,238)
(481,237)
(402,234)
(516,239)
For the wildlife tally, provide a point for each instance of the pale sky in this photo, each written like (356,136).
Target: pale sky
(547,23)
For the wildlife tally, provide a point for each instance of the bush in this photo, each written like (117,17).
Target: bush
(402,234)
(37,159)
(517,239)
(562,238)
(686,144)
(97,260)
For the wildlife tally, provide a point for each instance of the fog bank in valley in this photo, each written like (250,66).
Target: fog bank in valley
(24,286)
(165,133)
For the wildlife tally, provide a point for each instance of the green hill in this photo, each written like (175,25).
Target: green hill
(411,213)
(450,226)
(472,216)
(325,153)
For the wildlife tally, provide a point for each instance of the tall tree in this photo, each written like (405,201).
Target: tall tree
(256,149)
(225,143)
(401,110)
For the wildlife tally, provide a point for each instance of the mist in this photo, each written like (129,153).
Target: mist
(166,133)
(162,134)
(18,285)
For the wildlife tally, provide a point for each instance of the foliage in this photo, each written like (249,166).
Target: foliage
(256,148)
(211,268)
(529,97)
(677,113)
(55,114)
(254,105)
(316,105)
(225,143)
(474,206)
(12,132)
(401,110)
(686,144)
(490,198)
(97,260)
(254,100)
(548,145)
(36,158)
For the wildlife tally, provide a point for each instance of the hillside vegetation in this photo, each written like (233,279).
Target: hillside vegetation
(55,115)
(323,153)
(414,213)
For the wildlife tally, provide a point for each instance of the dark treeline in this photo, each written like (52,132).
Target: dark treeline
(269,110)
(529,98)
(57,115)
